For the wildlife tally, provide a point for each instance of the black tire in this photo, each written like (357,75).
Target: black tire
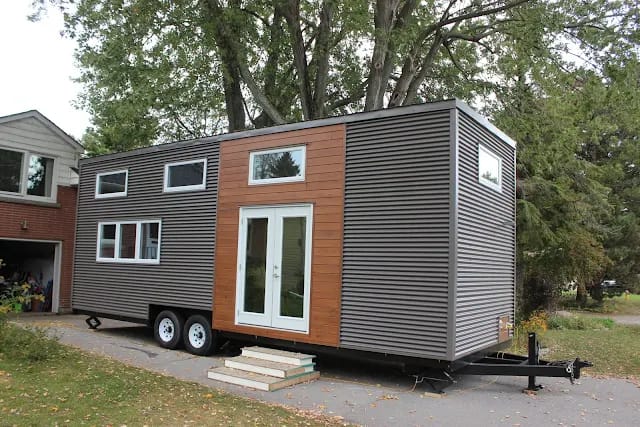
(167,329)
(198,337)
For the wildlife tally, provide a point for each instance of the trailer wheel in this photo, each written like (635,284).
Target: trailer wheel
(198,337)
(167,329)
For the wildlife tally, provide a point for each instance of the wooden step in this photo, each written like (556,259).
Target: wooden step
(267,367)
(257,381)
(280,356)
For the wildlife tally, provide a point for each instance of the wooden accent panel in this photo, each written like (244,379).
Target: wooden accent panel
(324,188)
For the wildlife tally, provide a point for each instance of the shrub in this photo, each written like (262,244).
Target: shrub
(537,323)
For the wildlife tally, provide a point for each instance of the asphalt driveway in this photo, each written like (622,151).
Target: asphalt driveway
(374,395)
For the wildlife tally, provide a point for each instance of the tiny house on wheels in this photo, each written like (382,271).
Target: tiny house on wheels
(388,232)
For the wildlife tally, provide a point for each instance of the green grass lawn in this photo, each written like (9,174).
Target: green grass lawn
(50,384)
(614,349)
(613,352)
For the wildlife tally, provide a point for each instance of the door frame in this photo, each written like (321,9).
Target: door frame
(271,318)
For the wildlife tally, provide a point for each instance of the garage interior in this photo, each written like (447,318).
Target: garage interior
(28,263)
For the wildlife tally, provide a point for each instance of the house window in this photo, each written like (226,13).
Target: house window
(185,176)
(280,165)
(489,169)
(112,184)
(39,176)
(129,242)
(26,174)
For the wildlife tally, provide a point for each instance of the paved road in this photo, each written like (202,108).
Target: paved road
(375,396)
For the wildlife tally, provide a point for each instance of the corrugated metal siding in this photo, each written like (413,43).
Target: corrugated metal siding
(485,242)
(396,235)
(184,276)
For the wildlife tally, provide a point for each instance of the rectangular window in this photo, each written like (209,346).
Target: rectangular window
(107,241)
(150,238)
(489,169)
(112,184)
(129,242)
(39,176)
(11,171)
(279,165)
(33,179)
(185,176)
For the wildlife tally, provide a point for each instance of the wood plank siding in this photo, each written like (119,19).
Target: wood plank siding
(323,187)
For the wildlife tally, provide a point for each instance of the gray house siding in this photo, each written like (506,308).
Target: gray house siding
(184,277)
(396,235)
(485,241)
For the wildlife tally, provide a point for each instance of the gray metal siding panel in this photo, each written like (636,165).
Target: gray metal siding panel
(184,276)
(396,235)
(485,242)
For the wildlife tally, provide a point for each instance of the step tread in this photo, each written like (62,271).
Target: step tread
(281,353)
(261,382)
(265,363)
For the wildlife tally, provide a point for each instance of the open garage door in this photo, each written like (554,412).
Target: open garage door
(32,263)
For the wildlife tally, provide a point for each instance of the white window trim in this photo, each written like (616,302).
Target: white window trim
(116,255)
(484,181)
(303,166)
(109,195)
(201,186)
(24,176)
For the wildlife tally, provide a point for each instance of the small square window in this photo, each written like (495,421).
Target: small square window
(185,176)
(280,165)
(489,169)
(112,184)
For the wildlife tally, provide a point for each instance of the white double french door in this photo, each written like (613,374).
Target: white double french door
(274,267)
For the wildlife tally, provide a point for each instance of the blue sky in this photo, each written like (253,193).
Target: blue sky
(36,67)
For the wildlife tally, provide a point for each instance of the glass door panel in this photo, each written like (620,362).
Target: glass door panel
(256,265)
(253,294)
(292,266)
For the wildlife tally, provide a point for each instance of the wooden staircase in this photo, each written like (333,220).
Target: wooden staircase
(266,369)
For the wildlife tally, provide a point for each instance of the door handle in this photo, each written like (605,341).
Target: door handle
(276,276)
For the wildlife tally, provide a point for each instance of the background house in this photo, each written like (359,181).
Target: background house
(38,185)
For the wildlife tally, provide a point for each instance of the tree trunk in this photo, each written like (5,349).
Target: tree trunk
(581,294)
(321,59)
(383,19)
(291,11)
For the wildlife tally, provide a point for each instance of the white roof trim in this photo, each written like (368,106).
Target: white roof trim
(47,123)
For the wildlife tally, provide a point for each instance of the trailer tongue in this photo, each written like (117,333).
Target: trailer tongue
(525,366)
(506,364)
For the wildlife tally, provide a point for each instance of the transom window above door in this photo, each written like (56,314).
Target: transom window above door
(26,174)
(277,165)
